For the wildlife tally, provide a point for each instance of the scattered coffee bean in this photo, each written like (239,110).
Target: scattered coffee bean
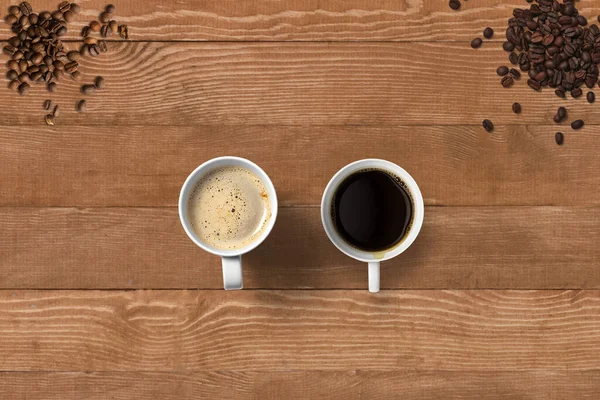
(14,85)
(24,88)
(508,46)
(560,138)
(56,111)
(515,74)
(73,55)
(95,26)
(556,118)
(104,31)
(69,16)
(14,10)
(488,33)
(487,125)
(454,4)
(47,104)
(99,82)
(560,93)
(562,113)
(102,46)
(110,8)
(507,81)
(591,97)
(535,85)
(577,92)
(503,70)
(80,106)
(12,75)
(577,124)
(51,87)
(114,26)
(88,89)
(516,107)
(476,43)
(49,119)
(25,8)
(104,17)
(123,32)
(76,76)
(85,31)
(75,8)
(90,40)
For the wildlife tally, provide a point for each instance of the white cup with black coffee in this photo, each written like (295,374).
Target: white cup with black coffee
(228,206)
(372,210)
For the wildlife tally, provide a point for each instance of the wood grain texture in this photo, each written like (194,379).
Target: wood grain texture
(326,385)
(85,166)
(299,330)
(304,20)
(459,247)
(296,84)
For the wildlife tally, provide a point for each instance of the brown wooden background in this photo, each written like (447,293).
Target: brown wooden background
(104,297)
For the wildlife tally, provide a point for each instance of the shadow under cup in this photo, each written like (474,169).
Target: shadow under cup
(373,258)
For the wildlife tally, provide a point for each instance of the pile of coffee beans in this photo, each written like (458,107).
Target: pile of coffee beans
(37,54)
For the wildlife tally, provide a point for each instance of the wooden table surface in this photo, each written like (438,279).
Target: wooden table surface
(103,296)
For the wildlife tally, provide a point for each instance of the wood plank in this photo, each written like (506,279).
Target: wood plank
(86,166)
(296,84)
(459,247)
(324,20)
(299,330)
(326,385)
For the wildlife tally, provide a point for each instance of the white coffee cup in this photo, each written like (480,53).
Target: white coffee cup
(231,259)
(372,258)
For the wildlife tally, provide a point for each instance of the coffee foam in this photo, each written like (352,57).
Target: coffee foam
(229,208)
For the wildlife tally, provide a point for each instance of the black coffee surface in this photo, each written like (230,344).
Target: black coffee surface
(371,210)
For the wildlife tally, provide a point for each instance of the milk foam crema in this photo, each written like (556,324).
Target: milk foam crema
(229,208)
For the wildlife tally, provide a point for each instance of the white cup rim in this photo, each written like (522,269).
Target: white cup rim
(202,170)
(418,205)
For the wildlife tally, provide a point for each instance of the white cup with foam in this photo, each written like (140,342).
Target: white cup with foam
(231,258)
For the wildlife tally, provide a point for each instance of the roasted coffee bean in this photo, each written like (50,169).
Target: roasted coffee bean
(104,17)
(488,33)
(102,46)
(75,8)
(10,50)
(71,67)
(559,138)
(25,8)
(23,65)
(507,81)
(535,85)
(61,31)
(454,4)
(591,97)
(24,77)
(58,15)
(123,32)
(10,19)
(487,125)
(12,64)
(104,31)
(85,31)
(37,77)
(515,74)
(556,118)
(58,74)
(513,58)
(99,82)
(64,6)
(88,89)
(47,104)
(12,75)
(14,84)
(24,88)
(476,43)
(49,119)
(516,107)
(114,26)
(56,111)
(84,50)
(37,58)
(95,26)
(58,65)
(110,8)
(94,51)
(90,40)
(14,10)
(503,70)
(76,76)
(562,113)
(69,15)
(577,92)
(18,55)
(51,87)
(73,55)
(80,106)
(508,46)
(577,124)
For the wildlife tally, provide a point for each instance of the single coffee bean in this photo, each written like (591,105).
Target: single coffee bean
(25,8)
(99,82)
(562,113)
(24,88)
(51,87)
(73,55)
(90,40)
(577,124)
(10,50)
(454,4)
(47,104)
(56,111)
(88,89)
(560,93)
(14,10)
(503,70)
(64,6)
(58,74)
(487,125)
(110,8)
(71,67)
(85,32)
(58,15)
(58,65)
(515,74)
(560,138)
(102,46)
(62,31)
(577,92)
(12,75)
(49,119)
(76,76)
(508,46)
(556,118)
(69,15)
(591,97)
(535,85)
(18,55)
(507,81)
(104,31)
(94,51)
(95,26)
(114,26)
(123,32)
(12,64)
(37,77)
(14,84)
(84,50)
(80,106)
(75,8)
(24,77)
(104,17)
(11,19)
(37,58)
(488,33)
(516,107)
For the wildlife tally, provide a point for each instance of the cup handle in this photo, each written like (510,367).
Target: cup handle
(232,272)
(374,276)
